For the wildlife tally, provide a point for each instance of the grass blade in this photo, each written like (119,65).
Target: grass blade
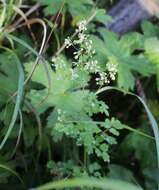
(18,99)
(106,184)
(12,172)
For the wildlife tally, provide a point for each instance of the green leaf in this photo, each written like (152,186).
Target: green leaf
(51,6)
(134,144)
(63,93)
(102,17)
(40,76)
(152,53)
(132,41)
(30,134)
(89,182)
(12,172)
(76,8)
(18,97)
(149,29)
(120,173)
(152,49)
(8,76)
(120,51)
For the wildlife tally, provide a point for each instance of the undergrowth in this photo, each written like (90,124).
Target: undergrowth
(62,115)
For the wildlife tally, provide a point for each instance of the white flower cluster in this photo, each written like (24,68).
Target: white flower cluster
(92,66)
(82,26)
(102,79)
(106,77)
(84,54)
(112,69)
(81,36)
(68,42)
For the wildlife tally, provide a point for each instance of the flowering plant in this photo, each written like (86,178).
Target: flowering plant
(74,105)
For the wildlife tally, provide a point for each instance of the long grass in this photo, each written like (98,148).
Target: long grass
(106,184)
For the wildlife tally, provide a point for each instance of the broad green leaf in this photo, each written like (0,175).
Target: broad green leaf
(132,41)
(102,17)
(62,93)
(75,7)
(51,6)
(90,182)
(40,76)
(8,76)
(120,50)
(152,53)
(149,29)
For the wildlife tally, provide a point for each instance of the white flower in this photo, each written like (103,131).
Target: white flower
(93,52)
(68,42)
(82,26)
(59,111)
(78,53)
(102,79)
(54,59)
(92,66)
(112,69)
(88,47)
(82,37)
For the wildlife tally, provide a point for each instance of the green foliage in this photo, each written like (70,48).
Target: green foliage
(69,168)
(120,51)
(133,143)
(78,9)
(151,45)
(73,108)
(55,122)
(119,172)
(75,8)
(4,173)
(7,61)
(151,51)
